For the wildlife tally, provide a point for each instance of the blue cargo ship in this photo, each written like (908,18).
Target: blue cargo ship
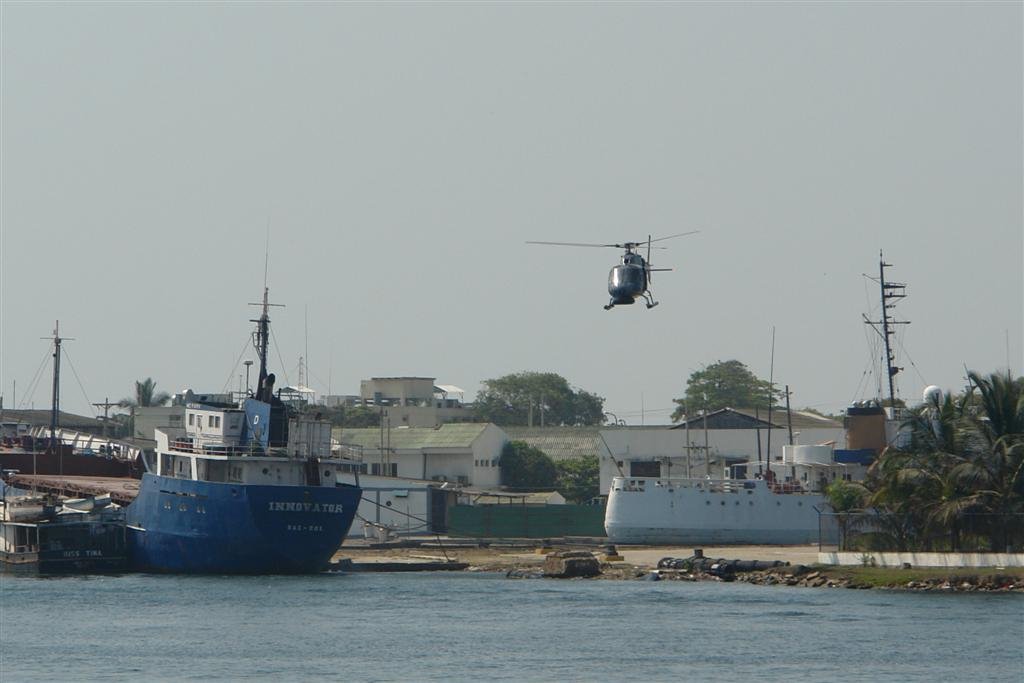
(246,488)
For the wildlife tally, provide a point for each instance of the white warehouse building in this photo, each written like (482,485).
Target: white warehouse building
(467,454)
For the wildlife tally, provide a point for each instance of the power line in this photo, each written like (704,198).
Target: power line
(75,373)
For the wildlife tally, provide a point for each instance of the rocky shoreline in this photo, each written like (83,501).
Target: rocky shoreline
(583,565)
(774,569)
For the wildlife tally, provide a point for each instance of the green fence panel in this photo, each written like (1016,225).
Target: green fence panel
(525,521)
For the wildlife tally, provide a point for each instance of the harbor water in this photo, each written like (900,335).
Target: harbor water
(474,626)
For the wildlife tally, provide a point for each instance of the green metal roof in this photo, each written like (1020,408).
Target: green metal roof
(560,443)
(460,435)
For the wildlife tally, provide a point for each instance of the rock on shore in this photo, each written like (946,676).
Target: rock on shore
(571,564)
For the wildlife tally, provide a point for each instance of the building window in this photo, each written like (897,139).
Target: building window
(191,419)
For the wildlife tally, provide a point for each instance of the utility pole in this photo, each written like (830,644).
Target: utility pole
(247,364)
(789,417)
(707,450)
(757,418)
(106,405)
(689,445)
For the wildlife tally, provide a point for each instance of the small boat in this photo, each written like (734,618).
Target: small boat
(39,534)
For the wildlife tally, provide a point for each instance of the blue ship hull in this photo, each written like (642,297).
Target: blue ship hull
(202,527)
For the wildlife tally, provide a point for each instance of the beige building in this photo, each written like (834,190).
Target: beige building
(414,401)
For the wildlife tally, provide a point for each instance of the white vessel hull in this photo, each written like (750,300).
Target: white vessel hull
(652,511)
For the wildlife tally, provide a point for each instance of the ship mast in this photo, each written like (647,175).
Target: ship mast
(55,405)
(261,340)
(891,292)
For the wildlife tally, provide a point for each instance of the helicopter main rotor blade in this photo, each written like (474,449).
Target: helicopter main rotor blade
(682,234)
(574,244)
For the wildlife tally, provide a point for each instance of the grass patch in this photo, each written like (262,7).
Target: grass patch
(894,576)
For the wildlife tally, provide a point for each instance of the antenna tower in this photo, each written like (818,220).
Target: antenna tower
(891,293)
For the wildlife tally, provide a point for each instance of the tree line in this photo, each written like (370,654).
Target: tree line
(548,399)
(957,483)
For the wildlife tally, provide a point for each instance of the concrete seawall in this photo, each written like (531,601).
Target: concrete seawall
(942,560)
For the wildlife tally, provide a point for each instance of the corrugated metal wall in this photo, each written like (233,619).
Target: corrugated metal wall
(526,521)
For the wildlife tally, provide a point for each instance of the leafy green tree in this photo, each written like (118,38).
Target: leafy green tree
(579,480)
(845,498)
(724,384)
(541,397)
(360,416)
(526,467)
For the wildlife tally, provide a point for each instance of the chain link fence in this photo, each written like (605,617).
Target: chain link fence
(889,532)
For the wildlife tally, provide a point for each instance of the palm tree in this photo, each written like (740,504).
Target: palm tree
(965,459)
(996,473)
(1002,405)
(145,396)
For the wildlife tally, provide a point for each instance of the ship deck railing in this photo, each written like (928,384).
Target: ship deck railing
(189,447)
(639,484)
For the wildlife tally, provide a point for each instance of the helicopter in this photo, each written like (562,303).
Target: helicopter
(629,280)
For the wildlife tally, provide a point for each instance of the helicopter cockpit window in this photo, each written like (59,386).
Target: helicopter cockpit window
(626,276)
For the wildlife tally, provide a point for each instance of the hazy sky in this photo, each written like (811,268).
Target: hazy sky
(402,154)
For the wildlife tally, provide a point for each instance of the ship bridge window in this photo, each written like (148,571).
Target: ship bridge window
(638,468)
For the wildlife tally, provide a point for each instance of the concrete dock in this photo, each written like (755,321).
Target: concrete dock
(122,490)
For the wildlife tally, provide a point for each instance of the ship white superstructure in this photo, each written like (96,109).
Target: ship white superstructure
(777,506)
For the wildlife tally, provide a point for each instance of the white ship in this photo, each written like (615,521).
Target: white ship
(779,507)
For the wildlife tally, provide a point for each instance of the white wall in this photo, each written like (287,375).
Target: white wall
(149,419)
(396,504)
(946,560)
(488,447)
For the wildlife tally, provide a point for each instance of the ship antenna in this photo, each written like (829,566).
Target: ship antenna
(771,391)
(891,292)
(266,256)
(262,335)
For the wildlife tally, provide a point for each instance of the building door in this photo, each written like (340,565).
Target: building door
(437,510)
